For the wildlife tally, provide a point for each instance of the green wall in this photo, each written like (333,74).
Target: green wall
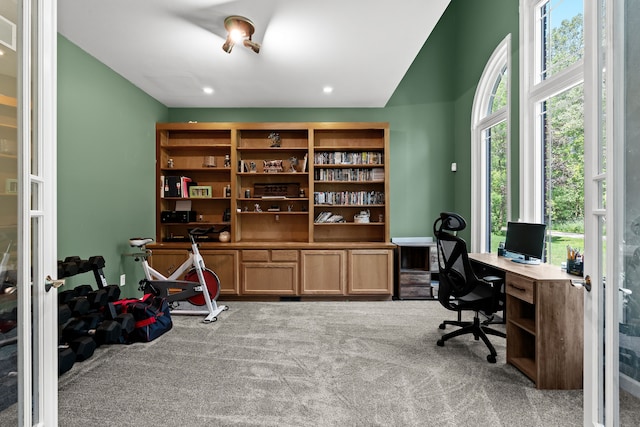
(106,167)
(480,27)
(106,136)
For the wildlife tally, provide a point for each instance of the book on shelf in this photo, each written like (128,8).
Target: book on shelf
(349,158)
(304,163)
(185,183)
(328,217)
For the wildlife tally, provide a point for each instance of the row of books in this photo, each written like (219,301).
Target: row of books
(328,217)
(347,198)
(348,158)
(176,186)
(375,174)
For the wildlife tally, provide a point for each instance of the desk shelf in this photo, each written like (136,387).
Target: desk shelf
(527,325)
(526,365)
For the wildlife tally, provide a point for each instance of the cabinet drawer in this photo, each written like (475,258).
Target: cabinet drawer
(255,255)
(284,255)
(520,288)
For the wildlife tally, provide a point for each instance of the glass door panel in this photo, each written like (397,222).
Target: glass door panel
(628,292)
(9,295)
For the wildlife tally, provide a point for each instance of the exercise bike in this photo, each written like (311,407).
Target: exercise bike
(200,285)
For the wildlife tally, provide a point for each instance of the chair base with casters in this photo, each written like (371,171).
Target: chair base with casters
(479,330)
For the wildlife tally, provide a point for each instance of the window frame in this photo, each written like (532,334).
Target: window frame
(481,120)
(533,92)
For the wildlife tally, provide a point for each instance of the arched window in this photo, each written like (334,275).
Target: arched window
(490,153)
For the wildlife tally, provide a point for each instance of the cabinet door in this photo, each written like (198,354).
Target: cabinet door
(225,265)
(324,272)
(370,271)
(167,261)
(269,278)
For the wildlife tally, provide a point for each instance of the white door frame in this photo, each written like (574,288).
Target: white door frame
(37,221)
(601,351)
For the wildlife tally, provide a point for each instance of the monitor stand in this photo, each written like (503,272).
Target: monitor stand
(530,261)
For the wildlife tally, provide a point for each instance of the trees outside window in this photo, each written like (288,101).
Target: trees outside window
(552,122)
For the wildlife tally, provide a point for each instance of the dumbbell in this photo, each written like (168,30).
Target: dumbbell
(79,306)
(83,347)
(64,314)
(127,323)
(84,265)
(65,296)
(67,269)
(82,290)
(113,292)
(107,331)
(66,359)
(96,262)
(98,299)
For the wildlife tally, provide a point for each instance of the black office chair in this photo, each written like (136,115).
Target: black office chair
(460,289)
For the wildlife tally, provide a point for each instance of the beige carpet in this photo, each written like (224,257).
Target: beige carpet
(309,364)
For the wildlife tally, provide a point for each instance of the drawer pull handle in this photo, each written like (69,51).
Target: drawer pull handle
(520,289)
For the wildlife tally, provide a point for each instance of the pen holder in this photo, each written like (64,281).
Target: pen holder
(575,267)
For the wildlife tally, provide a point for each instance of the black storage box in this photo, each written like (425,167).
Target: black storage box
(178,216)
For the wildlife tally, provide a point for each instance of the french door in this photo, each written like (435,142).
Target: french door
(612,214)
(28,38)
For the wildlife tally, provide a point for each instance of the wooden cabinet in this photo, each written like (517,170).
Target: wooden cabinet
(167,261)
(324,272)
(269,272)
(224,263)
(268,183)
(544,331)
(370,271)
(226,266)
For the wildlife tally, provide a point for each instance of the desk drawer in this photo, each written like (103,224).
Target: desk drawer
(520,288)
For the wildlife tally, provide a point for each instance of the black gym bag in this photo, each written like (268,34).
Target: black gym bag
(151,314)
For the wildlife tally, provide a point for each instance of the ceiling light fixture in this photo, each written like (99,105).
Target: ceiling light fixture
(239,30)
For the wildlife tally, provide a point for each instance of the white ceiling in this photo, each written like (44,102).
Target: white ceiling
(171,49)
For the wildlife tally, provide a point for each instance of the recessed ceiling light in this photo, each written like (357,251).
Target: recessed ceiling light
(327,89)
(207,90)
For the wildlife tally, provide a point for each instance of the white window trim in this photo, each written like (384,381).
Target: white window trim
(532,93)
(500,58)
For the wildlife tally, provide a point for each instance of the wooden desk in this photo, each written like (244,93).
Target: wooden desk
(544,321)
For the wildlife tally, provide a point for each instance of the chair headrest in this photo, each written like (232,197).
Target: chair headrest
(450,221)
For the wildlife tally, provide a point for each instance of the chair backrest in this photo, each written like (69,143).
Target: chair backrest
(456,276)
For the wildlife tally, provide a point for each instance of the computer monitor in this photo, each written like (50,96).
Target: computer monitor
(525,239)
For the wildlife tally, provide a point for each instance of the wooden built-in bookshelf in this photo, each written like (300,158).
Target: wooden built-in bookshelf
(268,184)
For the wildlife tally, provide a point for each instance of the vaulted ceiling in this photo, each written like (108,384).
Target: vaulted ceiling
(172,49)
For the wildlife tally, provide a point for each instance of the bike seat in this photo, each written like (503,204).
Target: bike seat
(138,242)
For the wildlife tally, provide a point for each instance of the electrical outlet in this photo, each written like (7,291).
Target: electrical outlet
(123,280)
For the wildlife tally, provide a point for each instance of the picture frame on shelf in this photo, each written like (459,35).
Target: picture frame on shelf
(200,192)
